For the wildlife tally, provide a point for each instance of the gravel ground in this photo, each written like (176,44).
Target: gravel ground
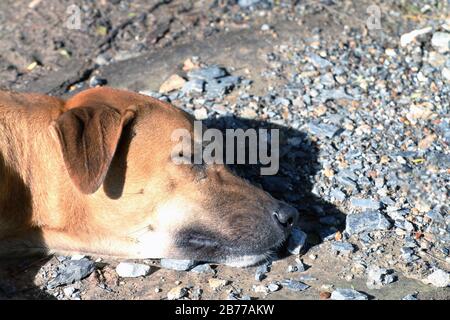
(364,122)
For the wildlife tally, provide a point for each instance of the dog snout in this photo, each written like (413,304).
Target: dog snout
(285,216)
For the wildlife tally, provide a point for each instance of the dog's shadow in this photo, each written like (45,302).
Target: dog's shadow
(293,183)
(17,278)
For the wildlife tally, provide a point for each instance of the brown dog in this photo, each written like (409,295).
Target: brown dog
(94,175)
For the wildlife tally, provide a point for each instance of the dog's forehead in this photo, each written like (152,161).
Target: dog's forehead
(149,110)
(115,98)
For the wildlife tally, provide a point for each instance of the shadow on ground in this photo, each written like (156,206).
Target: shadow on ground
(17,279)
(293,183)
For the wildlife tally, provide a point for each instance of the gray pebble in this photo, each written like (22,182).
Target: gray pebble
(71,271)
(365,222)
(296,241)
(441,41)
(273,287)
(193,86)
(412,296)
(378,277)
(347,294)
(178,265)
(203,268)
(318,61)
(207,74)
(343,247)
(323,130)
(365,203)
(294,285)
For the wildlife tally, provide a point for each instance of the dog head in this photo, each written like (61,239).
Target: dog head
(117,147)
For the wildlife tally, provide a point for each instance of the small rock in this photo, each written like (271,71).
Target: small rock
(247,3)
(260,289)
(439,278)
(189,65)
(77,257)
(196,294)
(318,61)
(69,291)
(334,94)
(347,294)
(178,265)
(337,194)
(378,277)
(217,284)
(235,296)
(365,222)
(265,27)
(324,295)
(412,296)
(273,287)
(174,82)
(307,277)
(96,81)
(365,203)
(446,74)
(441,41)
(418,112)
(294,285)
(280,101)
(132,270)
(323,130)
(343,247)
(248,113)
(409,37)
(390,52)
(203,268)
(176,293)
(301,267)
(436,59)
(71,271)
(193,86)
(201,114)
(219,87)
(291,268)
(296,241)
(207,74)
(261,271)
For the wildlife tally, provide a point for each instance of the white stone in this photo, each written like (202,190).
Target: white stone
(441,41)
(132,270)
(409,37)
(446,74)
(77,257)
(176,293)
(439,278)
(347,294)
(201,114)
(69,291)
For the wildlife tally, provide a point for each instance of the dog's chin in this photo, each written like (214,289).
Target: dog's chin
(202,245)
(253,259)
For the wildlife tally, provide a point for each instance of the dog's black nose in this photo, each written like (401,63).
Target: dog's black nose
(285,216)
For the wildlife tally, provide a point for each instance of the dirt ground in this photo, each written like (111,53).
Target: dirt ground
(137,45)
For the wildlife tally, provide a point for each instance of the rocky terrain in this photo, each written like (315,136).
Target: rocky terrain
(363,112)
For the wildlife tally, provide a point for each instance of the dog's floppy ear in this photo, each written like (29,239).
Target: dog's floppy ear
(88,137)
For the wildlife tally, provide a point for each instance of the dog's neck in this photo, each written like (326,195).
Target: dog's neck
(30,163)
